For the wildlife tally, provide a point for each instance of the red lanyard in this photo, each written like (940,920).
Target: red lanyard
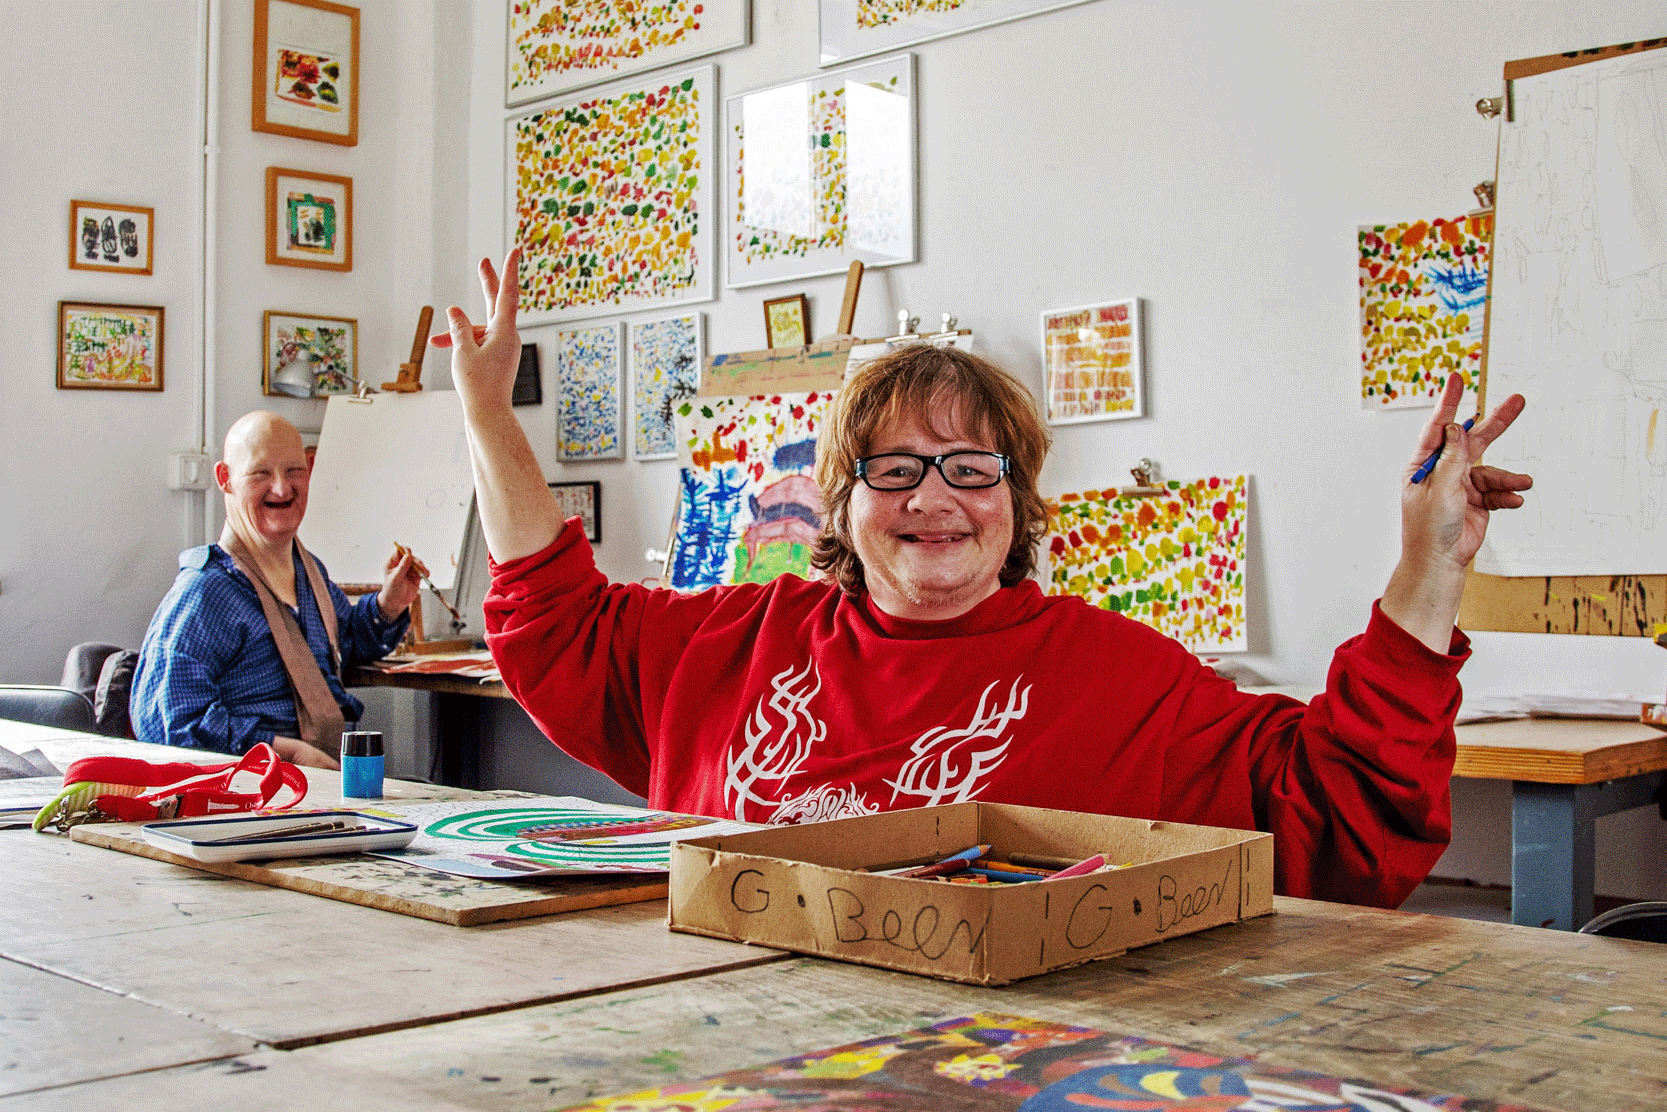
(125,789)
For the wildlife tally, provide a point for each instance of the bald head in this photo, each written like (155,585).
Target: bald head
(254,431)
(263,472)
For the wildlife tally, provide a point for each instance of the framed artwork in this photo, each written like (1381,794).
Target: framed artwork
(588,366)
(582,500)
(610,195)
(529,387)
(306,70)
(110,237)
(854,29)
(666,357)
(787,321)
(821,173)
(309,219)
(1423,297)
(306,356)
(556,45)
(1091,366)
(109,347)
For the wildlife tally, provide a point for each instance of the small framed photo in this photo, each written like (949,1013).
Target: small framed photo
(110,237)
(309,219)
(306,356)
(1091,365)
(787,321)
(109,347)
(584,501)
(529,388)
(306,70)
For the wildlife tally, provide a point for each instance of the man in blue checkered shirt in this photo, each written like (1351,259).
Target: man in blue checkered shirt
(212,672)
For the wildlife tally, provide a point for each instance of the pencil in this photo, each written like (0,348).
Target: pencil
(1428,465)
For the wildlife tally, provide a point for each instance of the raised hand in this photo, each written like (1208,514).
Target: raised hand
(485,357)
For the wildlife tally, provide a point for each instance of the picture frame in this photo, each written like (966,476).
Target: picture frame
(787,321)
(305,70)
(116,238)
(845,38)
(1092,368)
(590,362)
(529,386)
(309,219)
(592,249)
(790,216)
(666,356)
(539,61)
(110,347)
(583,500)
(298,349)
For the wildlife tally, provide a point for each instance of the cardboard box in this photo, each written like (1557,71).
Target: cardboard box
(802,888)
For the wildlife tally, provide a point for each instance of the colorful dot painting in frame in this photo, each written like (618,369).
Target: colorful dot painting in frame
(853,29)
(1423,297)
(852,199)
(1174,561)
(589,362)
(1004,1063)
(557,45)
(1091,363)
(748,506)
(666,355)
(609,195)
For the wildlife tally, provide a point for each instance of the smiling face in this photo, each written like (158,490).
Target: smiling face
(264,477)
(934,552)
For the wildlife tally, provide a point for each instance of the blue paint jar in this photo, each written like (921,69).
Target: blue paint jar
(362,764)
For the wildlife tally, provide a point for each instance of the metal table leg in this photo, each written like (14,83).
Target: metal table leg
(1553,845)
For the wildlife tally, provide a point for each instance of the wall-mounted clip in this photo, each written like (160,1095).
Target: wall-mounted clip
(907,328)
(1490,106)
(1484,198)
(1147,483)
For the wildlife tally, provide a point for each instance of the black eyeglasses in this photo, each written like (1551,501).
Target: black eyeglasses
(905,470)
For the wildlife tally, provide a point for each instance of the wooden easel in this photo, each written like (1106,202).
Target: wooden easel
(410,377)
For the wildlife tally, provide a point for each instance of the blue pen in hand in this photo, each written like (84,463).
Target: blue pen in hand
(1428,465)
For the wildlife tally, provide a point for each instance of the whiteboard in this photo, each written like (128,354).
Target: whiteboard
(393,468)
(1578,322)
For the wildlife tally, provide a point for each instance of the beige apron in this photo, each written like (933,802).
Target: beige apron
(316,710)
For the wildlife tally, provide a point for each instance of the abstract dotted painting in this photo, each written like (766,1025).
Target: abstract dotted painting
(557,45)
(609,195)
(588,365)
(1173,560)
(665,372)
(1423,297)
(1091,362)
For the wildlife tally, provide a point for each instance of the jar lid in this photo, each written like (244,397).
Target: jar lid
(362,743)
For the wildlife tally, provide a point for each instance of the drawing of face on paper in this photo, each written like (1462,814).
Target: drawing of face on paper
(588,365)
(1174,561)
(749,509)
(609,198)
(1423,298)
(665,372)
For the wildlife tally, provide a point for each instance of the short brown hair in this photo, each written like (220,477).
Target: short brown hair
(930,381)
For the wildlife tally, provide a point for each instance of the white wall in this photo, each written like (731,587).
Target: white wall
(1214,159)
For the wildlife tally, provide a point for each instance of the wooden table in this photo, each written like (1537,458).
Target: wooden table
(1565,773)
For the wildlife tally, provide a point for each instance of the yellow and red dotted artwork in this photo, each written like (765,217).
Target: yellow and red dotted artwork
(1423,297)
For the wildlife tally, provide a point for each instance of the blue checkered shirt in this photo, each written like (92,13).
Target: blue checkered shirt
(209,675)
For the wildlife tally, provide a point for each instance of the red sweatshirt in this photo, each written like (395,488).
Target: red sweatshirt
(792,702)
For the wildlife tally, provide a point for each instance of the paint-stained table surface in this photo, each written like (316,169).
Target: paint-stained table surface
(1545,1019)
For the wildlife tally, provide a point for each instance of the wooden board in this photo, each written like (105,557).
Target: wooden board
(399,886)
(1558,750)
(1548,1019)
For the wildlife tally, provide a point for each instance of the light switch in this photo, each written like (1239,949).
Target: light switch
(187,471)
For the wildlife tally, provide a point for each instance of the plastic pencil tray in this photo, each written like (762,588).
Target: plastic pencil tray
(233,838)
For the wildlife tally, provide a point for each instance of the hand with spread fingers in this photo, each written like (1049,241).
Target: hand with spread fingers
(1444,515)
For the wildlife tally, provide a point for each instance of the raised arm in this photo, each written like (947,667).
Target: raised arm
(518,515)
(1445,516)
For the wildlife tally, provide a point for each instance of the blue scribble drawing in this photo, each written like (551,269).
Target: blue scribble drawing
(705,528)
(797,456)
(665,370)
(1460,288)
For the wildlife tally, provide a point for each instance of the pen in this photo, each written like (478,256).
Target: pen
(284,832)
(1096,862)
(936,868)
(1428,465)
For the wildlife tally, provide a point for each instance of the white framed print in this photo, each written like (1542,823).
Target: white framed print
(852,29)
(552,46)
(666,358)
(609,193)
(1091,362)
(589,366)
(820,173)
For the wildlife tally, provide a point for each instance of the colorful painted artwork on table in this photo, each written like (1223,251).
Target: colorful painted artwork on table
(852,197)
(1423,297)
(588,366)
(748,506)
(557,45)
(109,347)
(993,1062)
(1174,561)
(665,371)
(610,199)
(1091,361)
